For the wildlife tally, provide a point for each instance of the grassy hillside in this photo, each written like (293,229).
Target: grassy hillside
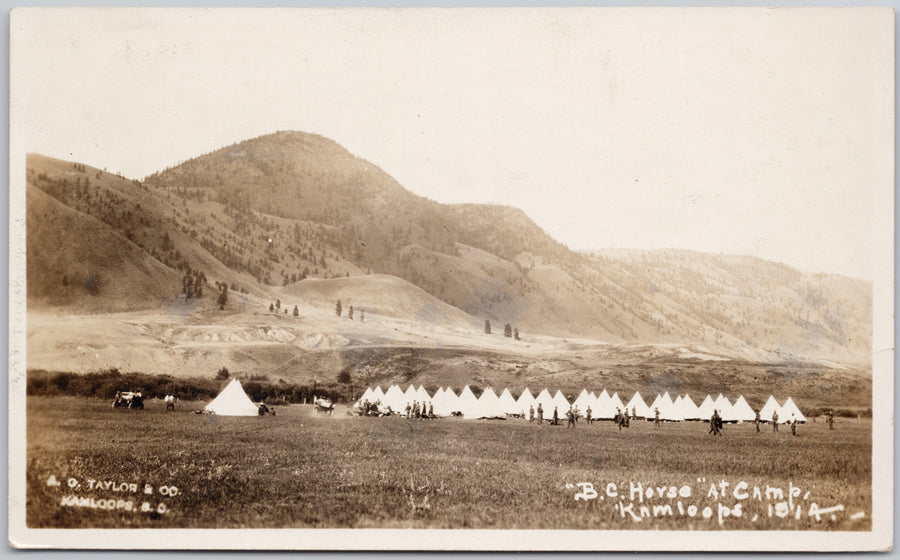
(745,301)
(379,294)
(295,215)
(74,259)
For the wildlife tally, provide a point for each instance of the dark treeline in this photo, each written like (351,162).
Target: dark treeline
(106,383)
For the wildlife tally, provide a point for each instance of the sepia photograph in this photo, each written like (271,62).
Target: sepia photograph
(518,279)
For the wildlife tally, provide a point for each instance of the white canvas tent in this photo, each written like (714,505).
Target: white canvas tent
(546,402)
(669,411)
(366,396)
(742,411)
(706,408)
(377,395)
(467,403)
(616,402)
(723,405)
(666,408)
(561,403)
(789,410)
(637,407)
(445,402)
(410,396)
(507,403)
(232,401)
(525,402)
(689,410)
(489,405)
(422,395)
(395,398)
(769,408)
(582,402)
(604,407)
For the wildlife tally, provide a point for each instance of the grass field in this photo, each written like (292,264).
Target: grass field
(299,470)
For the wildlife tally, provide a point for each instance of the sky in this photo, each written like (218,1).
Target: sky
(764,132)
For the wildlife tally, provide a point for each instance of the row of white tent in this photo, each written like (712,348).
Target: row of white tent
(445,402)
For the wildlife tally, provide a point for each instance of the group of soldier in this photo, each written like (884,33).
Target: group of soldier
(717,420)
(622,419)
(369,408)
(419,410)
(262,409)
(572,416)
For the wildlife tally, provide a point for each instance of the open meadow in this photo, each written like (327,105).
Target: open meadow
(90,465)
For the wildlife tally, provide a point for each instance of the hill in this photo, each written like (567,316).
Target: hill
(294,215)
(746,301)
(74,259)
(380,294)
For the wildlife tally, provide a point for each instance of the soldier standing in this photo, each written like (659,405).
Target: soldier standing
(715,424)
(774,421)
(540,412)
(757,420)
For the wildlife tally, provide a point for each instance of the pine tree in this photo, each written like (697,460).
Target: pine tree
(362,315)
(337,308)
(516,334)
(507,330)
(350,313)
(271,307)
(223,297)
(296,311)
(487,327)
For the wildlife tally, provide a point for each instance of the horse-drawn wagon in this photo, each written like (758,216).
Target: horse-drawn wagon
(323,405)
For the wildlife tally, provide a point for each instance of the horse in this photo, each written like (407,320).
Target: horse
(128,399)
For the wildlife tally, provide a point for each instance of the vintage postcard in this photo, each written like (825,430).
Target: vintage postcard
(451,279)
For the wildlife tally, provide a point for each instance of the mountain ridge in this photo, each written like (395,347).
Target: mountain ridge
(622,252)
(263,214)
